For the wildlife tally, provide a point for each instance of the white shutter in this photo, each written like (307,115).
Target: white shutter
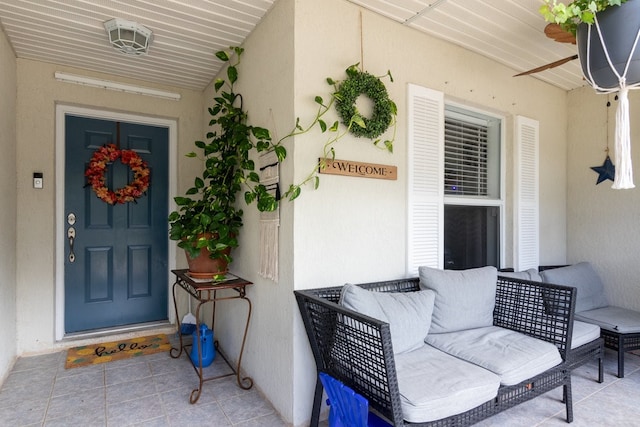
(425,178)
(526,201)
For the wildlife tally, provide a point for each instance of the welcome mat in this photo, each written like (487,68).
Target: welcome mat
(117,350)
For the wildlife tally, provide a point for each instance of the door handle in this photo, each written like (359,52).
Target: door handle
(71,235)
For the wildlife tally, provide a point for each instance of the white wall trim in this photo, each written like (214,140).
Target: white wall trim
(119,87)
(60,239)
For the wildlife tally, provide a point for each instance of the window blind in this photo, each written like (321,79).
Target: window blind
(465,157)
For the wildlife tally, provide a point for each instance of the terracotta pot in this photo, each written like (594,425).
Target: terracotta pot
(203,267)
(619,26)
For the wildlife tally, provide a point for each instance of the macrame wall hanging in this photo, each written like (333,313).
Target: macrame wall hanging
(624,170)
(607,170)
(269,221)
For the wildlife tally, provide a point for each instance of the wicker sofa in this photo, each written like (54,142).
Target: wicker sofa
(586,344)
(455,370)
(619,327)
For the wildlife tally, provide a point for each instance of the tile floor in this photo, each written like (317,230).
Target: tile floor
(154,391)
(615,402)
(144,391)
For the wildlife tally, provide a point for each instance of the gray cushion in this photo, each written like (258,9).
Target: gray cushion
(464,298)
(616,319)
(585,279)
(408,314)
(530,274)
(457,385)
(511,355)
(584,333)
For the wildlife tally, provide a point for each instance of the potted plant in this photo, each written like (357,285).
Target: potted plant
(608,37)
(207,222)
(606,34)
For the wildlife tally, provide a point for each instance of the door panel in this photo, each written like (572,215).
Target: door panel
(119,275)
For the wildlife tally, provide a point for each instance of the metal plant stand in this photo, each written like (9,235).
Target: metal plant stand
(206,292)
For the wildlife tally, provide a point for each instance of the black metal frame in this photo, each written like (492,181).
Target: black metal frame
(586,353)
(357,349)
(619,340)
(613,340)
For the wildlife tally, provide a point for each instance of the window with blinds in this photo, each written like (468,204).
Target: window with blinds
(470,164)
(465,158)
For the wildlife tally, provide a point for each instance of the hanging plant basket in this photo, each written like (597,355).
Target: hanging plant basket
(619,28)
(609,52)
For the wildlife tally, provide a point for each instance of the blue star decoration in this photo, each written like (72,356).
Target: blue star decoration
(606,171)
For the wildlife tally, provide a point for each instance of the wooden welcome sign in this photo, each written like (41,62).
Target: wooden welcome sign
(362,170)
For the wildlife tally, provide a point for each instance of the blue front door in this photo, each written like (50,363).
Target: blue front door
(115,255)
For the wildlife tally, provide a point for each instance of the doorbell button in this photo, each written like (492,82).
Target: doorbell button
(37,180)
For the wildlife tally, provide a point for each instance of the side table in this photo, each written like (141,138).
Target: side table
(205,291)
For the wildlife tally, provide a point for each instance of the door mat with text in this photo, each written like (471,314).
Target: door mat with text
(117,350)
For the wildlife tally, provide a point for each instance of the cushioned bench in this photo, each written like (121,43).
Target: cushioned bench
(620,327)
(586,344)
(434,350)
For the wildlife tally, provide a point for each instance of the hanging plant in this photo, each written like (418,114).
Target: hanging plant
(571,15)
(607,33)
(362,83)
(97,170)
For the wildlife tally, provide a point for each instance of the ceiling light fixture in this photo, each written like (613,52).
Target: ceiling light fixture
(128,37)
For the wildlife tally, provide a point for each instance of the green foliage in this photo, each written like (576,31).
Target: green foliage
(576,12)
(362,83)
(210,218)
(344,96)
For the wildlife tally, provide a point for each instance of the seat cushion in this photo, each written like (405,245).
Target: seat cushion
(513,356)
(465,299)
(585,279)
(583,333)
(407,313)
(434,385)
(612,318)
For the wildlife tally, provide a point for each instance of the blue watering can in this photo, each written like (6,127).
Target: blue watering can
(206,344)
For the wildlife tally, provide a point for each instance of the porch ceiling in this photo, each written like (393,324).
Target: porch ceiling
(187,33)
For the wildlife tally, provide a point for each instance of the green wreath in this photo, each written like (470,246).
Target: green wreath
(358,83)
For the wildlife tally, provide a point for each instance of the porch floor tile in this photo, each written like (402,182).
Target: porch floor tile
(154,391)
(143,391)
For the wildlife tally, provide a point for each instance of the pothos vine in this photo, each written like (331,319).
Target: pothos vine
(346,93)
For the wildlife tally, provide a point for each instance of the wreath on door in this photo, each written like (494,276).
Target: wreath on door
(97,170)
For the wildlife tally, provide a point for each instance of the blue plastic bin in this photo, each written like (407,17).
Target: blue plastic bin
(346,407)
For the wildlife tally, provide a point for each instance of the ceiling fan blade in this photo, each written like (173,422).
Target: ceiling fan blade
(555,32)
(548,66)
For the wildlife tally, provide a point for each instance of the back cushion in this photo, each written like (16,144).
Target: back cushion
(408,314)
(465,299)
(584,278)
(530,274)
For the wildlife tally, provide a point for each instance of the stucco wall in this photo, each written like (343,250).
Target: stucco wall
(38,94)
(8,210)
(350,229)
(603,225)
(266,83)
(354,229)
